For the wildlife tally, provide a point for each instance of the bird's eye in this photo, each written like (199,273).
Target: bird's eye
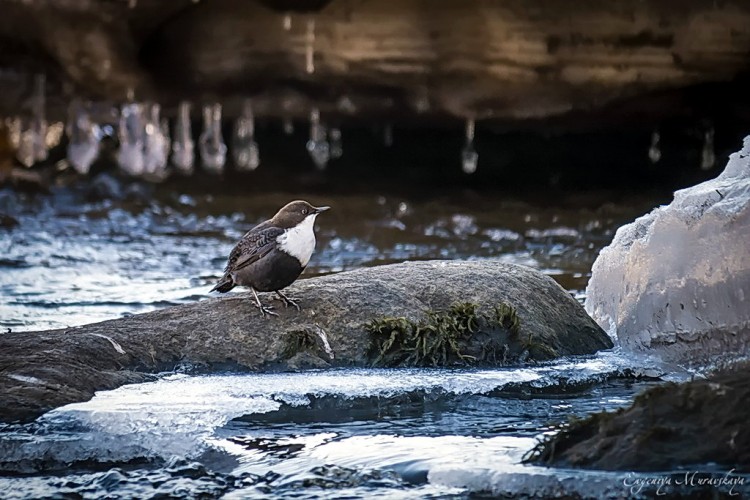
(304,211)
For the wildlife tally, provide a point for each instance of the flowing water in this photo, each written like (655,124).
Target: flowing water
(404,433)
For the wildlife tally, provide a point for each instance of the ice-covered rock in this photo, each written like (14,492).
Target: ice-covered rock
(678,278)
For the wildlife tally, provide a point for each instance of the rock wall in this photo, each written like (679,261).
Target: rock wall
(514,60)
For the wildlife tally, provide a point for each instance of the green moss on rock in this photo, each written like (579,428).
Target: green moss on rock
(507,317)
(296,341)
(463,335)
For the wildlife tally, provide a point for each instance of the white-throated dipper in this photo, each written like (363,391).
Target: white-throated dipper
(273,254)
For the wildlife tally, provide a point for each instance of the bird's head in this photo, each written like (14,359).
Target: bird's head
(296,212)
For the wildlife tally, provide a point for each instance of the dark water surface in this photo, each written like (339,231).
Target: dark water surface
(322,434)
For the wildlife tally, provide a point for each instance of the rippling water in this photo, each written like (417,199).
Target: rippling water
(71,262)
(321,434)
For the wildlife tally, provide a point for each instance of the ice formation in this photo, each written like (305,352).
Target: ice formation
(469,156)
(654,151)
(180,414)
(131,133)
(211,144)
(31,144)
(83,137)
(318,145)
(337,147)
(183,146)
(156,143)
(678,278)
(245,150)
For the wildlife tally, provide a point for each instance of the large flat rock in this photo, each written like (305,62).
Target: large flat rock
(42,370)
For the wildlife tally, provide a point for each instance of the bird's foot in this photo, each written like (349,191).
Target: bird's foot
(263,309)
(287,301)
(266,310)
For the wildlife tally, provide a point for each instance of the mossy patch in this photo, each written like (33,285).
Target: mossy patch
(507,317)
(463,335)
(539,350)
(296,341)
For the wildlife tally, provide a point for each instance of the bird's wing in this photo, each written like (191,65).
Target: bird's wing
(252,247)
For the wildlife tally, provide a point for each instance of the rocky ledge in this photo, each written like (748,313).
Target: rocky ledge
(513,62)
(434,313)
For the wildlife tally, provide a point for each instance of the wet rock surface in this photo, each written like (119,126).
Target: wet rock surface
(42,370)
(696,423)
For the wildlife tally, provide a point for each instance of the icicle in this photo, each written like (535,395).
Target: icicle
(212,148)
(54,135)
(155,144)
(422,101)
(310,47)
(39,123)
(337,147)
(708,157)
(287,22)
(83,138)
(469,156)
(654,152)
(388,135)
(32,140)
(25,150)
(244,148)
(131,130)
(318,146)
(346,105)
(14,132)
(288,125)
(183,147)
(167,144)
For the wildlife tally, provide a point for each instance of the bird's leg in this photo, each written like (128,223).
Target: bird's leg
(287,301)
(263,310)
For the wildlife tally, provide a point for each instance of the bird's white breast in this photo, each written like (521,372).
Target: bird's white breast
(299,241)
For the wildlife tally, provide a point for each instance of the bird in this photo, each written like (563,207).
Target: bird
(273,254)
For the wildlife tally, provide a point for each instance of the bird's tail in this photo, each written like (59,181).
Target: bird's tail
(225,284)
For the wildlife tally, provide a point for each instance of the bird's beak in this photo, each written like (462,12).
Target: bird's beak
(321,209)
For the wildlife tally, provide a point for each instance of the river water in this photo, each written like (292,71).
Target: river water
(322,434)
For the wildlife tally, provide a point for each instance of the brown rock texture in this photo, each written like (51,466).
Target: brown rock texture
(509,60)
